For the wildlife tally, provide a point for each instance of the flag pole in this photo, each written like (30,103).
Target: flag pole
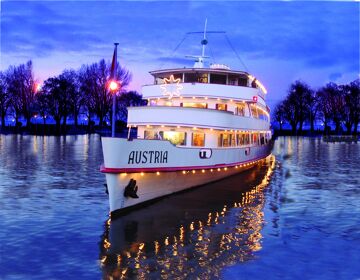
(113,74)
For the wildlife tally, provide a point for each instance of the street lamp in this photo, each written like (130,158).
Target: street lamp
(113,87)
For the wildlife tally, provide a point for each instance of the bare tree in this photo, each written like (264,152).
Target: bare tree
(355,96)
(4,98)
(313,109)
(279,114)
(58,90)
(22,87)
(300,95)
(337,104)
(128,99)
(42,105)
(94,80)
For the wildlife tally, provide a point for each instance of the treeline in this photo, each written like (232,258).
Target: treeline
(335,107)
(72,93)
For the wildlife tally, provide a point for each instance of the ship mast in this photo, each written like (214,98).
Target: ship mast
(200,59)
(204,41)
(199,62)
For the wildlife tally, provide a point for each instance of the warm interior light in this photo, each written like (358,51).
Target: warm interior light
(113,85)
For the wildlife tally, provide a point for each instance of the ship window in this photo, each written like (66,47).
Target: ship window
(243,81)
(262,114)
(232,140)
(240,109)
(203,78)
(240,139)
(151,134)
(254,112)
(218,79)
(194,105)
(198,139)
(233,80)
(224,140)
(191,77)
(255,138)
(247,139)
(175,137)
(161,79)
(262,139)
(196,78)
(221,107)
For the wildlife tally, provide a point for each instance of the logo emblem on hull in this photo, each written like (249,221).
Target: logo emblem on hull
(205,153)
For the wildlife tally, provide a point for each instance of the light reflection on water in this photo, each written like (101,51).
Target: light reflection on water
(190,240)
(302,222)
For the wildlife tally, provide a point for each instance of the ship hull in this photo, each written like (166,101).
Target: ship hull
(154,182)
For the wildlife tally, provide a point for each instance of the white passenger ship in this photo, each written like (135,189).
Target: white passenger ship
(200,124)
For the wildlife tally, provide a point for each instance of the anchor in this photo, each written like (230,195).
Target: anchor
(131,189)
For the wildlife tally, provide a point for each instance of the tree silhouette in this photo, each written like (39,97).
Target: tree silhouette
(5,98)
(128,99)
(94,80)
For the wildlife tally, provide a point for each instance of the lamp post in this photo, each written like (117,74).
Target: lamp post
(113,86)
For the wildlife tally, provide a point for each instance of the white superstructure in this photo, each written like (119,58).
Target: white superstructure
(199,125)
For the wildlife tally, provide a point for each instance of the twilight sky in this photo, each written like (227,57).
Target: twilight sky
(279,42)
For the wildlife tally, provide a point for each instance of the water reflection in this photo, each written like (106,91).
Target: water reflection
(194,234)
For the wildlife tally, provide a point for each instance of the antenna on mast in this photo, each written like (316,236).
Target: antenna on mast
(199,62)
(204,41)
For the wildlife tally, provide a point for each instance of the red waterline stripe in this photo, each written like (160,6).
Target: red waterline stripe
(104,169)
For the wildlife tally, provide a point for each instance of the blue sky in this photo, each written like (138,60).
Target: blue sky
(279,42)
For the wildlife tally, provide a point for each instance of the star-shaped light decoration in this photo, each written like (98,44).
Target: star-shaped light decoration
(171,87)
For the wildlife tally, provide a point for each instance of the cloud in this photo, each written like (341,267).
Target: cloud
(303,35)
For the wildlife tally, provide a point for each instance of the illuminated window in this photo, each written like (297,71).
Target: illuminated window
(175,137)
(247,139)
(221,107)
(161,79)
(255,138)
(254,112)
(240,109)
(168,103)
(225,140)
(240,139)
(203,78)
(153,102)
(232,140)
(198,139)
(151,134)
(194,105)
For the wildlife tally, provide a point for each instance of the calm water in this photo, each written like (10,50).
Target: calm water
(295,217)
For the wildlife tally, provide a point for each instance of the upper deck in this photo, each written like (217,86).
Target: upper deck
(204,82)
